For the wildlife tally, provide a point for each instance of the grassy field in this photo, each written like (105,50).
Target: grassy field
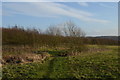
(101,64)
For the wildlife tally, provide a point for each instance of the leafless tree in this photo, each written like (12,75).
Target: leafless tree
(54,30)
(70,29)
(66,29)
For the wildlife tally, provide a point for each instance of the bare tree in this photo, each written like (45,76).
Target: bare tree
(66,29)
(54,30)
(70,29)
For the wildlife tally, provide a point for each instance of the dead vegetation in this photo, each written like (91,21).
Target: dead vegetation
(27,54)
(24,58)
(23,45)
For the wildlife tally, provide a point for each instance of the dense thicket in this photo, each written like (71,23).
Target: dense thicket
(67,34)
(19,36)
(32,37)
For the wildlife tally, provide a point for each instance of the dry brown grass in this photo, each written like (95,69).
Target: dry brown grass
(24,58)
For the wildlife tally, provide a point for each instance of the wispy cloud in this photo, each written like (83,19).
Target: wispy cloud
(60,0)
(106,5)
(50,10)
(23,0)
(83,4)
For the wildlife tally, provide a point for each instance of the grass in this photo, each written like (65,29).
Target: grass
(100,65)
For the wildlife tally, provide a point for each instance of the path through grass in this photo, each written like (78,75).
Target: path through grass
(101,65)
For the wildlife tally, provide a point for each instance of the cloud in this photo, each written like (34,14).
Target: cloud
(83,4)
(106,6)
(22,0)
(60,1)
(49,10)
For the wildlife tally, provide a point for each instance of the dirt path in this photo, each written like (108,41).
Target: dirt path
(50,68)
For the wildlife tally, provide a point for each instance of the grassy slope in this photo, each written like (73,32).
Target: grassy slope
(87,65)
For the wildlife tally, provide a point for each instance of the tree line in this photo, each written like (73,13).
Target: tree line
(67,34)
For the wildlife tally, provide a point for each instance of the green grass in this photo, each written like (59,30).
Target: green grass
(102,65)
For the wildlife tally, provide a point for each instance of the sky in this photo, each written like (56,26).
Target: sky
(95,18)
(60,0)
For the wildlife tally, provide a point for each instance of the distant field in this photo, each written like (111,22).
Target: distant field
(101,64)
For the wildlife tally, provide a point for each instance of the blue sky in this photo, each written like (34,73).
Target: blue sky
(95,18)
